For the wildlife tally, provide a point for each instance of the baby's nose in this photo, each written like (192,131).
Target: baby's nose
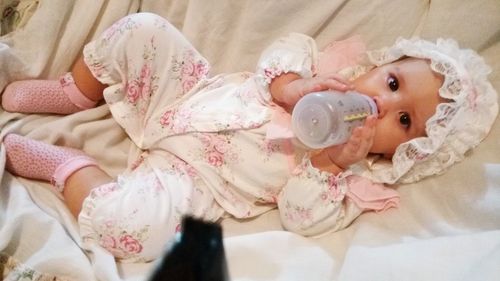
(386,103)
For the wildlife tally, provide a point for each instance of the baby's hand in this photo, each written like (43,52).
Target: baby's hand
(357,148)
(296,89)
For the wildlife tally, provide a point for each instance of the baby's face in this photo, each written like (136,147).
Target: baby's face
(406,93)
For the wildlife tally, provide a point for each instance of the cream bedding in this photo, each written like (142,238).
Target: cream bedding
(447,228)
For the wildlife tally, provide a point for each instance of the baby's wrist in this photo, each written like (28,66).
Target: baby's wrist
(337,162)
(279,84)
(323,162)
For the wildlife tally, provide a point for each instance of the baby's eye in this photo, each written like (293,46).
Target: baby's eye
(393,83)
(404,119)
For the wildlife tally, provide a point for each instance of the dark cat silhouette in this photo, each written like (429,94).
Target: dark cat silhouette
(198,255)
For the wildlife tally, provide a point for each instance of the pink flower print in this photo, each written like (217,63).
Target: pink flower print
(137,163)
(133,91)
(182,120)
(220,146)
(188,71)
(141,86)
(130,244)
(146,77)
(191,172)
(181,166)
(98,69)
(299,169)
(298,214)
(272,72)
(188,83)
(201,69)
(233,157)
(109,223)
(119,27)
(324,196)
(187,68)
(161,24)
(215,158)
(104,190)
(246,96)
(269,147)
(332,181)
(269,72)
(145,80)
(268,196)
(108,243)
(145,72)
(167,118)
(115,28)
(334,192)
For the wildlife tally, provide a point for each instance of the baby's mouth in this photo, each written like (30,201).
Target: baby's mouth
(377,105)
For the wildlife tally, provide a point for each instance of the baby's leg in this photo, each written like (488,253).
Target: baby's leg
(149,66)
(69,170)
(79,185)
(136,217)
(86,82)
(74,91)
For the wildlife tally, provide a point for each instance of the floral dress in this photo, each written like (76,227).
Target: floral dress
(203,143)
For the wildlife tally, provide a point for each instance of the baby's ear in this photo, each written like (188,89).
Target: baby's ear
(341,54)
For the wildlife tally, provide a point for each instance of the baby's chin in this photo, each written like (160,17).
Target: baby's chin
(387,156)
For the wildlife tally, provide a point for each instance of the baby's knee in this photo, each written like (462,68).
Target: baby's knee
(133,222)
(150,23)
(134,240)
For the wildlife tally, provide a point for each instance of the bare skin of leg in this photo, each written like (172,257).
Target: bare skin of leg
(86,82)
(80,183)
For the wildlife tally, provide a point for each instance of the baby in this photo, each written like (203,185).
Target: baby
(205,142)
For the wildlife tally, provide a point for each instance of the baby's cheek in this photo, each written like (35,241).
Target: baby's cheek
(386,139)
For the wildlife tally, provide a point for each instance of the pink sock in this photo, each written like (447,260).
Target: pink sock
(38,160)
(45,96)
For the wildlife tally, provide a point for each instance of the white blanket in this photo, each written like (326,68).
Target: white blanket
(447,228)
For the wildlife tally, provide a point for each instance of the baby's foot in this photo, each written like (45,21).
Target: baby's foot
(38,160)
(45,96)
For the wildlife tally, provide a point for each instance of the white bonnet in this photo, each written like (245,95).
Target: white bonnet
(456,127)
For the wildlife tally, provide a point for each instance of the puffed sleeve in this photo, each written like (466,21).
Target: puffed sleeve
(314,202)
(295,53)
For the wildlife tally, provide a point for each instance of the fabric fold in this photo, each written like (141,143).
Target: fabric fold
(371,196)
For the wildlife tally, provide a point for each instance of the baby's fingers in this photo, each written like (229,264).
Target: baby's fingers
(361,139)
(337,77)
(355,141)
(337,85)
(337,82)
(326,83)
(370,123)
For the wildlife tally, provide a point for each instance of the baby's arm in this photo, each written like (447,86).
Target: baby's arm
(286,70)
(288,88)
(314,202)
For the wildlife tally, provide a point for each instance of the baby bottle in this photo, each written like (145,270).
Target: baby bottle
(322,119)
